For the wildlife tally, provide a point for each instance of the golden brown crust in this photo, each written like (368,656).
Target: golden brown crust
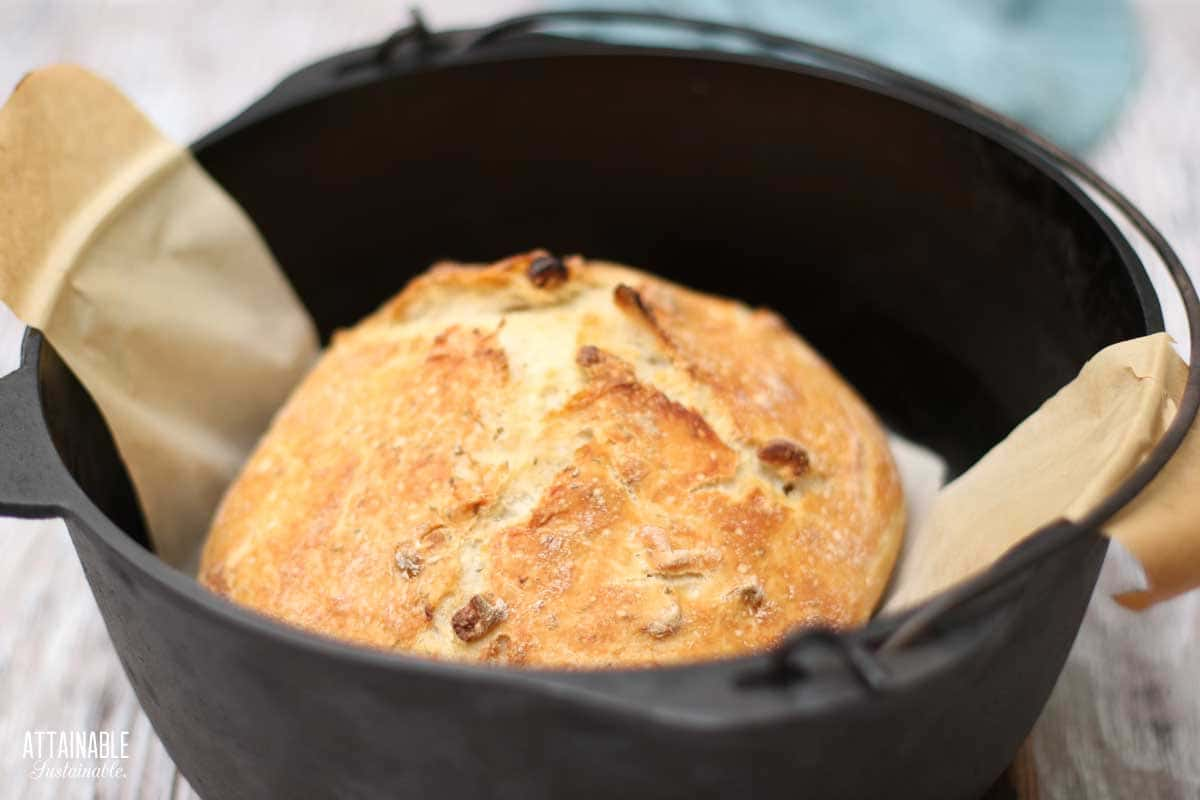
(563,463)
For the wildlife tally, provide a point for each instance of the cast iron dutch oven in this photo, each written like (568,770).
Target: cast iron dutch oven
(948,263)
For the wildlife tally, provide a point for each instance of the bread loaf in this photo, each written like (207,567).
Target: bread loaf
(563,463)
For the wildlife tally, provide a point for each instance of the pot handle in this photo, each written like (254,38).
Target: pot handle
(34,484)
(785,664)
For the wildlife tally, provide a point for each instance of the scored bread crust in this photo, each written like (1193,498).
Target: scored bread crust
(563,463)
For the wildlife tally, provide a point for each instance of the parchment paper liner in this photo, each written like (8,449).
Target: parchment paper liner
(153,286)
(157,291)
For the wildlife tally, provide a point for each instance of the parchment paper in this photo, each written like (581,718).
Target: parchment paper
(1059,462)
(154,288)
(159,294)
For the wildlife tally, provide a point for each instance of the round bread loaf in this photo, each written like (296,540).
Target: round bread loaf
(563,463)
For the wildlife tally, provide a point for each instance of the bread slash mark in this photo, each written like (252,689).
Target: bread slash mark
(630,301)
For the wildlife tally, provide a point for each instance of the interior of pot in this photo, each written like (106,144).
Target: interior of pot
(953,283)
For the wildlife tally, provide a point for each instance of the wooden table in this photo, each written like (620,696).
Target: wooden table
(1124,720)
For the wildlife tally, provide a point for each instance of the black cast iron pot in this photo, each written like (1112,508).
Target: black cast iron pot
(946,262)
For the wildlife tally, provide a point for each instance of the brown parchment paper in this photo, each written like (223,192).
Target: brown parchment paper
(152,285)
(1060,462)
(157,291)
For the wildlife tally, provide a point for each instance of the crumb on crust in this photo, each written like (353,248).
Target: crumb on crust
(481,614)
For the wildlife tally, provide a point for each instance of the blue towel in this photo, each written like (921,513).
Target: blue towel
(1062,67)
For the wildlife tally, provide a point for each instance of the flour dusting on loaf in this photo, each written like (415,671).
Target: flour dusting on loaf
(561,462)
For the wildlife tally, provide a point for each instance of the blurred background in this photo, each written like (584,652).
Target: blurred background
(1117,81)
(1065,67)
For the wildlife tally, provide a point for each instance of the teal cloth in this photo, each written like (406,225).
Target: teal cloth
(1062,67)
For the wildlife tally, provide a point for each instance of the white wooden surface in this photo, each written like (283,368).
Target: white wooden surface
(1124,720)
